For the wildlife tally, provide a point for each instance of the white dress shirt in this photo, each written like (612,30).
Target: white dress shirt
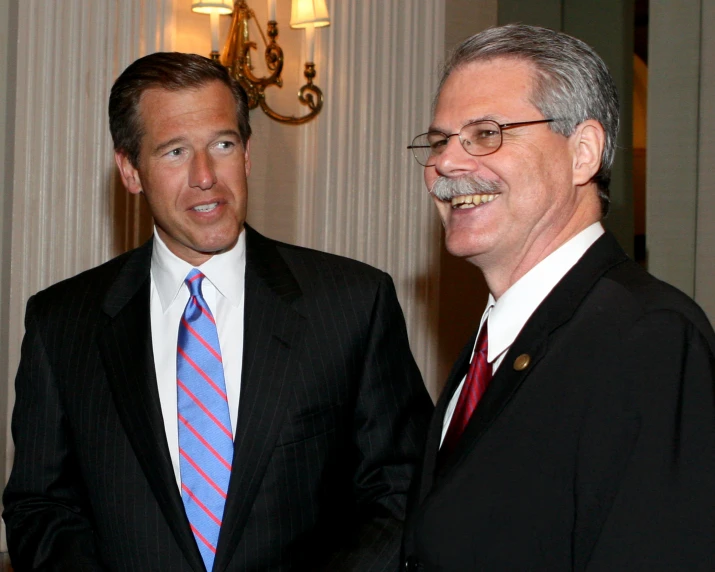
(506,317)
(223,289)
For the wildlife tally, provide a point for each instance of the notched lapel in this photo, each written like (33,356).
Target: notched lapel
(273,332)
(126,349)
(505,383)
(434,435)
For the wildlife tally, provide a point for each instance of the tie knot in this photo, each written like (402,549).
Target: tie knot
(193,282)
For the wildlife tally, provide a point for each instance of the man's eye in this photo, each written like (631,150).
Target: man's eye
(175,152)
(486,134)
(225,144)
(438,143)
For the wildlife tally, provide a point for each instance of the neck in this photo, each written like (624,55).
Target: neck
(500,277)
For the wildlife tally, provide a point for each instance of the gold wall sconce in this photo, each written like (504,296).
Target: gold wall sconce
(236,54)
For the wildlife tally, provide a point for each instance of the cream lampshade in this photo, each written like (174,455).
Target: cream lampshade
(214,8)
(309,14)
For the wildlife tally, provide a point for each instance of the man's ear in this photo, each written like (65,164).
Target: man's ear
(128,172)
(588,140)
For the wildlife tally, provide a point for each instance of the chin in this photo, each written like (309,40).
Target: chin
(219,242)
(463,246)
(217,247)
(462,253)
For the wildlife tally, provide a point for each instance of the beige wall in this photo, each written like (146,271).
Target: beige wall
(8,39)
(464,18)
(360,193)
(705,237)
(680,216)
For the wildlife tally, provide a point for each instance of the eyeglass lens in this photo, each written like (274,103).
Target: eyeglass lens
(479,138)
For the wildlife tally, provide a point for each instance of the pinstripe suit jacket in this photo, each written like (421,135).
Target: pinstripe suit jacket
(330,427)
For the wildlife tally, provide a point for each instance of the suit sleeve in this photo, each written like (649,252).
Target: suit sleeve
(662,515)
(391,417)
(47,523)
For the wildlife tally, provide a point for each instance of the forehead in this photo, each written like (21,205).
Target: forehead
(162,110)
(498,88)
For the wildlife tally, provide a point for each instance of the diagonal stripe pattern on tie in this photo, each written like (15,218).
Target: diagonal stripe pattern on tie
(478,377)
(205,438)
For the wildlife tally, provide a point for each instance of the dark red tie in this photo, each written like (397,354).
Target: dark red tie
(478,377)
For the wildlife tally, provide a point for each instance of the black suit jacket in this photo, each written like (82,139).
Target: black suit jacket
(599,455)
(331,419)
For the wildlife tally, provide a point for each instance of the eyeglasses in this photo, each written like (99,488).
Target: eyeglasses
(478,138)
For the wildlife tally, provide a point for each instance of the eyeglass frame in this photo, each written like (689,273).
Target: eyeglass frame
(502,127)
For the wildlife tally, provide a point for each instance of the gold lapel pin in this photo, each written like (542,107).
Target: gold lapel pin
(522,362)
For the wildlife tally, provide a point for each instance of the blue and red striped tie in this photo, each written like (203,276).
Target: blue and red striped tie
(478,377)
(205,437)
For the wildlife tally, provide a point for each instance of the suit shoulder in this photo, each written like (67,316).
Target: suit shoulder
(651,295)
(257,242)
(304,260)
(88,286)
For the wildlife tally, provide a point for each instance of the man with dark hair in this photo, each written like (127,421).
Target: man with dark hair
(577,428)
(213,400)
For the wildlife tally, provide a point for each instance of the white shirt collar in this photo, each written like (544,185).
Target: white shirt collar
(509,314)
(223,270)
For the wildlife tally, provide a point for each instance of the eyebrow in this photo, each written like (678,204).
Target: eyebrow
(489,117)
(159,149)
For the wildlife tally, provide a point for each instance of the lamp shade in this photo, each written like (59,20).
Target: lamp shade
(306,13)
(213,7)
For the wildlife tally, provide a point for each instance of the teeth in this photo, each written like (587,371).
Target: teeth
(206,208)
(471,201)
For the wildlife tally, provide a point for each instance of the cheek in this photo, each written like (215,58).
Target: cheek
(233,175)
(165,193)
(442,209)
(430,176)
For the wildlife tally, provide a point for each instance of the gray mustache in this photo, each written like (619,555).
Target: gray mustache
(445,189)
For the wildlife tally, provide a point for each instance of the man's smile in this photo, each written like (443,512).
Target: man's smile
(205,208)
(472,201)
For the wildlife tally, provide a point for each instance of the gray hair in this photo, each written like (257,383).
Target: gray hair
(571,82)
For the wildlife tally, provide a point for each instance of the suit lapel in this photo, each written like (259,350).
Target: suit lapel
(126,348)
(434,434)
(272,337)
(557,308)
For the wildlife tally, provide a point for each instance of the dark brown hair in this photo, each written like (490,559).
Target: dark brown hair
(172,71)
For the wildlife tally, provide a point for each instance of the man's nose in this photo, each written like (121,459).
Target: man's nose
(202,174)
(454,161)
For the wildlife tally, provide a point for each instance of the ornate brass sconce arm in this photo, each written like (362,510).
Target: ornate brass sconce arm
(309,95)
(237,58)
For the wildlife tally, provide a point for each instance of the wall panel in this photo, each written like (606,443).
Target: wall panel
(681,147)
(672,160)
(68,211)
(705,222)
(361,193)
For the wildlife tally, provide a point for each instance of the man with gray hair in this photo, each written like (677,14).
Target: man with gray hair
(577,428)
